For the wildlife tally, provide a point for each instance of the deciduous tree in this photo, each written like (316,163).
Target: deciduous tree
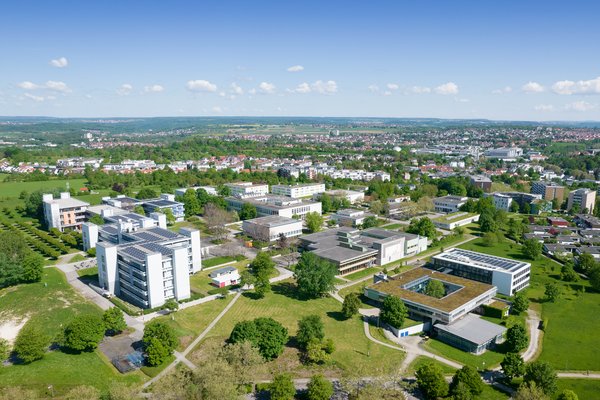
(431,381)
(351,305)
(315,276)
(393,311)
(84,333)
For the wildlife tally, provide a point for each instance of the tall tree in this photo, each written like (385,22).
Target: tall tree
(351,305)
(315,276)
(469,377)
(542,374)
(84,333)
(435,289)
(314,221)
(114,320)
(191,205)
(532,249)
(513,365)
(423,227)
(31,344)
(393,311)
(516,338)
(282,388)
(320,388)
(248,211)
(310,327)
(431,381)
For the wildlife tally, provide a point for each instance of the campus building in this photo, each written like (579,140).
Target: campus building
(276,205)
(509,276)
(164,202)
(482,182)
(352,249)
(502,201)
(504,153)
(298,191)
(245,190)
(449,204)
(454,220)
(64,213)
(350,217)
(351,196)
(270,228)
(145,266)
(549,191)
(584,199)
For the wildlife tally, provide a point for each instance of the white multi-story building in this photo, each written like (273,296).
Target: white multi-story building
(245,190)
(505,153)
(276,205)
(271,227)
(297,191)
(350,195)
(449,204)
(147,266)
(509,276)
(584,198)
(64,212)
(502,201)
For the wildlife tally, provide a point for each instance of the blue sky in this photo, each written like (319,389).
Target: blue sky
(534,60)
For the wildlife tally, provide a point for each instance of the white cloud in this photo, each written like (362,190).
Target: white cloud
(27,85)
(154,89)
(59,62)
(125,89)
(544,107)
(201,85)
(392,86)
(252,91)
(591,86)
(420,89)
(35,98)
(505,89)
(266,88)
(295,68)
(532,87)
(237,90)
(57,86)
(302,88)
(373,88)
(580,106)
(329,87)
(447,88)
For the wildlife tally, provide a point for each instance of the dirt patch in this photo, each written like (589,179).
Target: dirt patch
(10,329)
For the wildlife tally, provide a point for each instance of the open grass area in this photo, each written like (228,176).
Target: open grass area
(50,305)
(363,273)
(13,189)
(422,360)
(490,358)
(585,388)
(567,340)
(190,322)
(393,226)
(88,272)
(211,262)
(354,354)
(200,282)
(153,371)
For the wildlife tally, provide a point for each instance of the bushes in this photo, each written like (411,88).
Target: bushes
(266,334)
(84,333)
(159,341)
(31,344)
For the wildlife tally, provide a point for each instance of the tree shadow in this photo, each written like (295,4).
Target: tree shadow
(337,315)
(290,290)
(252,295)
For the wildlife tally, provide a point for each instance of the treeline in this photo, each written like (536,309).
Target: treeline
(18,264)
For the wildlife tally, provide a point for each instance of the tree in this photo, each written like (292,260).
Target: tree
(520,303)
(490,239)
(542,374)
(422,227)
(262,285)
(84,333)
(532,249)
(567,273)
(393,311)
(191,205)
(586,263)
(594,276)
(169,215)
(315,276)
(268,335)
(247,278)
(32,268)
(314,221)
(244,358)
(530,391)
(320,388)
(516,338)
(310,327)
(97,219)
(369,222)
(171,305)
(567,394)
(31,344)
(114,320)
(139,210)
(469,377)
(376,207)
(4,349)
(326,203)
(431,381)
(435,289)
(262,264)
(316,352)
(282,241)
(552,292)
(156,352)
(282,388)
(146,193)
(163,332)
(248,211)
(513,365)
(351,305)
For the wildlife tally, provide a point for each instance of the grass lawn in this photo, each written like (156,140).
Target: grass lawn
(585,388)
(50,305)
(393,226)
(361,274)
(211,262)
(354,354)
(89,272)
(421,360)
(200,281)
(491,358)
(153,371)
(567,339)
(13,189)
(190,322)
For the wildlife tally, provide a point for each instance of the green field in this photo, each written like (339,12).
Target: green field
(200,282)
(487,360)
(421,360)
(354,354)
(13,189)
(585,388)
(363,273)
(50,305)
(212,262)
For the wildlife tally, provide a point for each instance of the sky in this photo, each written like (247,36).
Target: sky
(504,60)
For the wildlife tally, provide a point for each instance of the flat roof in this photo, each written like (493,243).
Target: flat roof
(273,221)
(162,202)
(341,254)
(69,203)
(469,291)
(455,216)
(473,329)
(481,260)
(451,199)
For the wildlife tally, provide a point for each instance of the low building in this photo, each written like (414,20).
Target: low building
(299,190)
(461,295)
(165,201)
(587,221)
(509,276)
(453,220)
(549,191)
(352,196)
(64,213)
(449,204)
(123,202)
(557,221)
(583,199)
(276,205)
(350,217)
(482,182)
(246,190)
(270,228)
(223,277)
(504,153)
(471,333)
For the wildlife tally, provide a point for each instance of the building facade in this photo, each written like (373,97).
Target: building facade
(270,228)
(585,199)
(549,191)
(298,191)
(64,213)
(449,204)
(246,190)
(276,205)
